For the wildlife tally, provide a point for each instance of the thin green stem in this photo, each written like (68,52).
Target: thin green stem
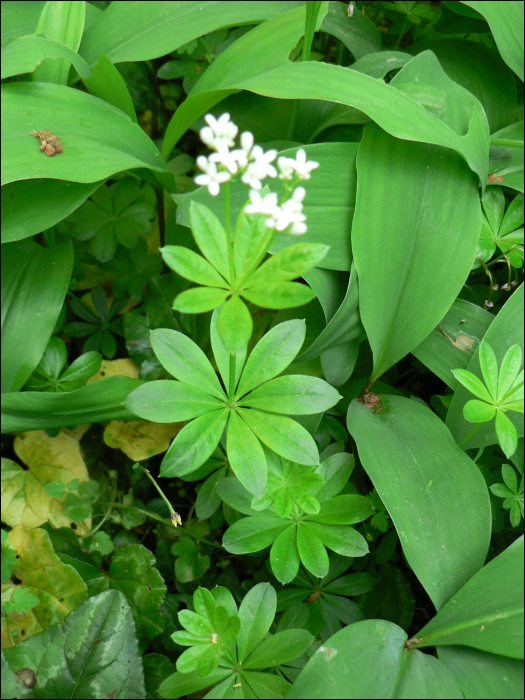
(293,119)
(227,221)
(470,434)
(160,519)
(231,388)
(402,33)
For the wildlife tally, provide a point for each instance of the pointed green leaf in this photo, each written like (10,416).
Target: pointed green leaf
(222,356)
(396,176)
(282,435)
(283,295)
(434,493)
(210,236)
(500,615)
(235,325)
(185,360)
(192,266)
(195,624)
(272,354)
(312,551)
(166,401)
(280,649)
(304,500)
(504,332)
(507,434)
(235,495)
(344,510)
(478,411)
(246,456)
(342,539)
(284,555)
(256,613)
(179,685)
(509,371)
(489,368)
(199,300)
(283,503)
(249,232)
(335,471)
(293,395)
(509,477)
(265,685)
(253,533)
(473,384)
(288,264)
(194,444)
(344,325)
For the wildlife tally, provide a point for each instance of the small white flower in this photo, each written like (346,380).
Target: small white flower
(242,154)
(212,179)
(285,168)
(251,177)
(302,167)
(225,157)
(262,160)
(262,205)
(290,214)
(208,137)
(223,129)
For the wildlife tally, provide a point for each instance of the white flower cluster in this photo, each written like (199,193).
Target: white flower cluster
(256,165)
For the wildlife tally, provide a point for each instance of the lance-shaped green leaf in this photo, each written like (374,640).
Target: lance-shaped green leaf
(222,356)
(192,266)
(503,332)
(246,455)
(294,395)
(211,238)
(429,486)
(312,551)
(345,324)
(235,325)
(282,435)
(272,354)
(256,613)
(185,360)
(282,295)
(284,555)
(280,649)
(396,310)
(484,614)
(344,510)
(194,444)
(341,539)
(253,533)
(199,300)
(166,401)
(287,264)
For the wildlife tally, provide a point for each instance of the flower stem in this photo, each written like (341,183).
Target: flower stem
(470,434)
(227,221)
(231,388)
(174,516)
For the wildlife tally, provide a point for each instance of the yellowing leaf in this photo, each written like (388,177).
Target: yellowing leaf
(24,500)
(140,440)
(78,432)
(116,368)
(58,586)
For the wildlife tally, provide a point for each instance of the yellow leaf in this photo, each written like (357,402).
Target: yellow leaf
(140,440)
(58,586)
(24,500)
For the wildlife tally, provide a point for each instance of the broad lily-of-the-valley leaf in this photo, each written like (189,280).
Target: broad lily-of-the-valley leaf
(268,286)
(253,410)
